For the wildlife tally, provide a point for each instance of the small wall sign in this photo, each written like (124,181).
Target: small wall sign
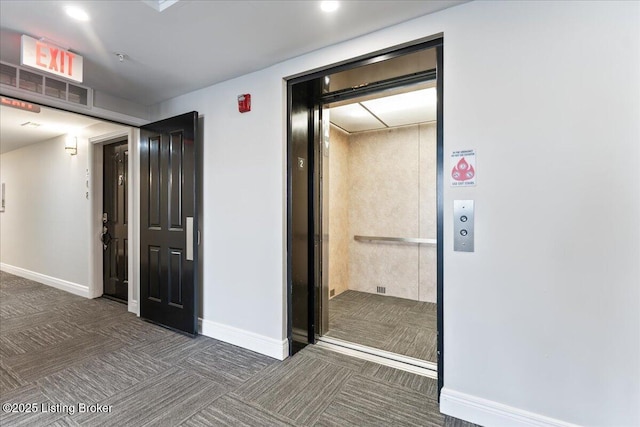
(463,168)
(21,105)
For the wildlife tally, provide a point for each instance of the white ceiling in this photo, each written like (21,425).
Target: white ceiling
(52,123)
(192,44)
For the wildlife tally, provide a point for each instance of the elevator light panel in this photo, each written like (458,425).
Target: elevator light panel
(405,108)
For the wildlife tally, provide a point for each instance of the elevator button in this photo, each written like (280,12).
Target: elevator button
(463,219)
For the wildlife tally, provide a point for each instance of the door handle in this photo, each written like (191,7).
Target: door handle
(105,238)
(189,239)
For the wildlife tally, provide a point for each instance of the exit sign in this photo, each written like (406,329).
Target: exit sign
(51,59)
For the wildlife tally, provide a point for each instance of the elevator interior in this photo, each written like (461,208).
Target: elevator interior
(379,220)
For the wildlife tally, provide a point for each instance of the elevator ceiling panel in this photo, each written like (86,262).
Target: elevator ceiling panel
(405,108)
(400,109)
(354,118)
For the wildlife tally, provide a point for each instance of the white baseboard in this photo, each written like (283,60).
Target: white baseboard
(489,413)
(132,307)
(249,340)
(54,282)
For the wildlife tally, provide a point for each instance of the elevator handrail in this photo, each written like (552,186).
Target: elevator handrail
(412,240)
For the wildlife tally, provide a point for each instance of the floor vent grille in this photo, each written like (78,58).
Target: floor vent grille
(382,289)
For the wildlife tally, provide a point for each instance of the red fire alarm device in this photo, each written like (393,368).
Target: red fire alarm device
(244,102)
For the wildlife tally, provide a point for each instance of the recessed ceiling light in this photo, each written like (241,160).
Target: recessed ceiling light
(77,13)
(329,6)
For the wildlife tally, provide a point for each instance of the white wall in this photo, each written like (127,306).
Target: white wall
(44,231)
(542,322)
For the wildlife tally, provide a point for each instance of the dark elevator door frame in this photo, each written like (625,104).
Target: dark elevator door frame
(303,181)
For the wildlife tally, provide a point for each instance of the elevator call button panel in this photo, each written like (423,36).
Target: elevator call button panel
(463,226)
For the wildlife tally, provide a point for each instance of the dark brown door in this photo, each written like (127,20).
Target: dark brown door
(169,223)
(115,221)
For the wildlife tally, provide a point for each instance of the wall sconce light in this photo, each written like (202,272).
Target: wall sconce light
(71,145)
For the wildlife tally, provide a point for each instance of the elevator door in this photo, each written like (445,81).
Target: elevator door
(301,244)
(115,221)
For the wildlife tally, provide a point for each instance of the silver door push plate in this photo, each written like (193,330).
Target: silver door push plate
(463,230)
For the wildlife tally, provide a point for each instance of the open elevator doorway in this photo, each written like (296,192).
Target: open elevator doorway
(378,218)
(365,207)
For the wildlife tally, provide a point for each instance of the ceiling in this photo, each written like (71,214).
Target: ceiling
(50,122)
(192,44)
(387,111)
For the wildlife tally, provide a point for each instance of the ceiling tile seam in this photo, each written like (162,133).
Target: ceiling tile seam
(340,127)
(371,112)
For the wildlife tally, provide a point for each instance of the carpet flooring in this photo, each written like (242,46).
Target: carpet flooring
(70,359)
(397,325)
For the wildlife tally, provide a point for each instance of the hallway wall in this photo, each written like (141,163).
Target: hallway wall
(44,229)
(551,107)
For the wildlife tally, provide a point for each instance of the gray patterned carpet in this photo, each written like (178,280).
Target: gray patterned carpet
(387,323)
(58,350)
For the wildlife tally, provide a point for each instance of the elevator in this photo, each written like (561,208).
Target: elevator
(365,206)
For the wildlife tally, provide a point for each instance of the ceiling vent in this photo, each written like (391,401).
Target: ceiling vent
(31,125)
(31,82)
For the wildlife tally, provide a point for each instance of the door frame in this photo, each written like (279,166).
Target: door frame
(436,41)
(96,180)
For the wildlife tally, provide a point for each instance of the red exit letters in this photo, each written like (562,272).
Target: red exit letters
(54,58)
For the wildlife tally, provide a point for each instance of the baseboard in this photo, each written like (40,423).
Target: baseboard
(54,282)
(249,340)
(489,413)
(132,307)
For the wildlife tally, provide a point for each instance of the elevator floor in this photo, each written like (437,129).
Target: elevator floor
(387,323)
